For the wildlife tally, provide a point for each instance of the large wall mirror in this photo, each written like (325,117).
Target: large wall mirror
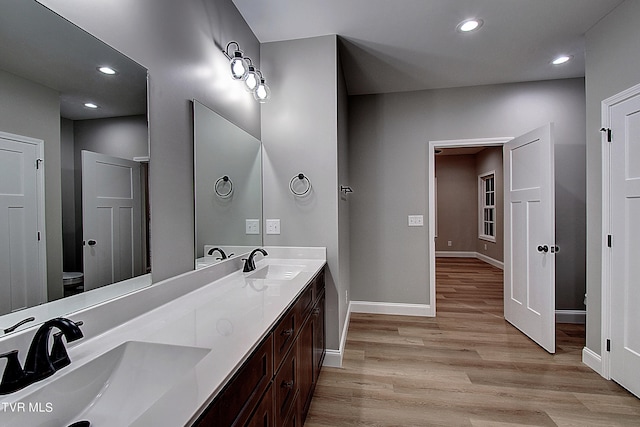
(228,188)
(74,158)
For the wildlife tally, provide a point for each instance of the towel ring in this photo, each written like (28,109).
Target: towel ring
(223,180)
(301,177)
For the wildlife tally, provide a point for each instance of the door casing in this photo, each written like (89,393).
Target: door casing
(606,308)
(431,175)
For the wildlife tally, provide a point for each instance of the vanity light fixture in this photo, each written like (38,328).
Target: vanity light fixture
(90,105)
(107,70)
(562,59)
(237,62)
(242,68)
(469,25)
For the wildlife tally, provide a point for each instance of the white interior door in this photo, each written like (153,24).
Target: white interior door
(529,265)
(111,219)
(624,193)
(22,282)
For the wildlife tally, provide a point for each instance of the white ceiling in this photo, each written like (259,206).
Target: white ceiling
(404,45)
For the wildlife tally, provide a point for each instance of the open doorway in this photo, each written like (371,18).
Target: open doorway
(461,146)
(529,230)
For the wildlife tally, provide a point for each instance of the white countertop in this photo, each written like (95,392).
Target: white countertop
(229,316)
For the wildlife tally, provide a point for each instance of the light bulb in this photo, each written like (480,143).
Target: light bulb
(239,65)
(262,92)
(470,25)
(561,60)
(251,79)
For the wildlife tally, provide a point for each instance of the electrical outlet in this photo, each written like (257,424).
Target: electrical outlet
(416,221)
(449,243)
(273,226)
(252,226)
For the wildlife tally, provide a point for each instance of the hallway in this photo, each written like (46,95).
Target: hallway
(465,367)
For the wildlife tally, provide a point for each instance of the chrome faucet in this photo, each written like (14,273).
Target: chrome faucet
(249,263)
(40,364)
(222,254)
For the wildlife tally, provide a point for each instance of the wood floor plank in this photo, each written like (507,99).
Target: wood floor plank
(465,367)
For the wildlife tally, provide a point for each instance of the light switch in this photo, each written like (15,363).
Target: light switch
(252,226)
(416,221)
(273,226)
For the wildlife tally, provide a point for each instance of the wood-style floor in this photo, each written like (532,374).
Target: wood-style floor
(465,367)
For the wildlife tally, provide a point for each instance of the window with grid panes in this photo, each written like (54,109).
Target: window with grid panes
(487,207)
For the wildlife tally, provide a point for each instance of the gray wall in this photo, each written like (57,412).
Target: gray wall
(32,110)
(457,203)
(344,246)
(179,43)
(490,159)
(613,65)
(388,140)
(300,134)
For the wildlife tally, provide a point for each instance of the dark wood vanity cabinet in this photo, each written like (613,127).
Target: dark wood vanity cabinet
(275,385)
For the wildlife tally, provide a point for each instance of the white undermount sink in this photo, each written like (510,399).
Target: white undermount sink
(112,390)
(276,272)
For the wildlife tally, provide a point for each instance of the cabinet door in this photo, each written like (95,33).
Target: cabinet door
(319,349)
(306,365)
(236,402)
(263,417)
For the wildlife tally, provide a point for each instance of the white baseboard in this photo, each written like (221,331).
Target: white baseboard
(401,309)
(455,254)
(592,360)
(333,358)
(489,260)
(477,255)
(571,316)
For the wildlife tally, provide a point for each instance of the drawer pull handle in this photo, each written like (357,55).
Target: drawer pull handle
(316,311)
(287,384)
(287,332)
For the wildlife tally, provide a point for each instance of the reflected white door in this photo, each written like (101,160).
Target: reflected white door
(111,219)
(625,248)
(22,282)
(529,273)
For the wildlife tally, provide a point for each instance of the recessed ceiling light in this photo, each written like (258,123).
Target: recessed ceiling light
(107,70)
(90,105)
(469,25)
(561,59)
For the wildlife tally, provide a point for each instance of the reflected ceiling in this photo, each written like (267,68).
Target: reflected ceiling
(51,54)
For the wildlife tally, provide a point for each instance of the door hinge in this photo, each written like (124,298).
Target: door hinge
(608,131)
(609,240)
(608,345)
(38,236)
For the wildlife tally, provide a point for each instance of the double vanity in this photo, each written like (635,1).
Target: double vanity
(235,348)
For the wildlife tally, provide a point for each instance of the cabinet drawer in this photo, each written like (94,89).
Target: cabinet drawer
(318,284)
(305,302)
(284,335)
(239,398)
(285,387)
